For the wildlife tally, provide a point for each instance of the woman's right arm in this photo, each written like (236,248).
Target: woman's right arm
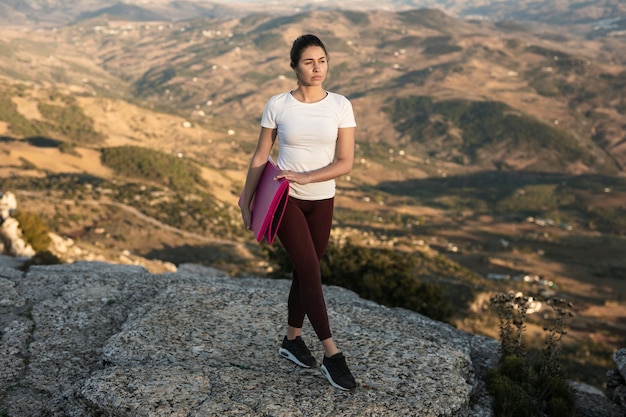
(267,137)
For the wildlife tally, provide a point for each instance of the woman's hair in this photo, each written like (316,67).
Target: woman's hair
(301,44)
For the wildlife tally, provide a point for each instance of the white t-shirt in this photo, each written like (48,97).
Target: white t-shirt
(307,137)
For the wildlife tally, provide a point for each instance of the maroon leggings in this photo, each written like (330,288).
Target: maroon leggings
(304,233)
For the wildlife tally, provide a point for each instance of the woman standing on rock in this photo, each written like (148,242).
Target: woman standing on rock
(315,130)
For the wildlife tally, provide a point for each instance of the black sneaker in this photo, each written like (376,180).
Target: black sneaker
(336,371)
(296,351)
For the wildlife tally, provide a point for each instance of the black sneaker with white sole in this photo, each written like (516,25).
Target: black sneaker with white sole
(296,351)
(335,369)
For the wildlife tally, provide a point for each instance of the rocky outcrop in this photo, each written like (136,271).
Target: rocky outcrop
(8,204)
(92,339)
(616,380)
(11,241)
(15,252)
(68,251)
(99,339)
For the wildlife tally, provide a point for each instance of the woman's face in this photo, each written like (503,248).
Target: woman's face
(312,67)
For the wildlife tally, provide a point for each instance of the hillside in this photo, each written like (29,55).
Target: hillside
(607,15)
(203,69)
(497,145)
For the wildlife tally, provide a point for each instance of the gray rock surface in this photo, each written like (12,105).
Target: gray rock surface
(591,402)
(616,381)
(620,362)
(97,339)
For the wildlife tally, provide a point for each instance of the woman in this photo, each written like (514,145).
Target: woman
(315,131)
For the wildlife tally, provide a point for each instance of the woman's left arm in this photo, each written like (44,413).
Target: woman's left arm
(344,159)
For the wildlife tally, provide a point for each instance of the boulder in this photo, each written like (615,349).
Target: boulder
(12,241)
(8,204)
(616,380)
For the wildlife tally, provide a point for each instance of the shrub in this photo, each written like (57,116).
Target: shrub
(148,164)
(382,275)
(529,385)
(34,230)
(513,400)
(18,124)
(70,121)
(43,258)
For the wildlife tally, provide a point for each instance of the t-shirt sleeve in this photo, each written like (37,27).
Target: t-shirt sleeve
(347,114)
(268,119)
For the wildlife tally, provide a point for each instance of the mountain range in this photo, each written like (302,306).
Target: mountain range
(610,13)
(565,89)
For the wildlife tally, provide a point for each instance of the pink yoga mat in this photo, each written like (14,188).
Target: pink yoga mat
(268,205)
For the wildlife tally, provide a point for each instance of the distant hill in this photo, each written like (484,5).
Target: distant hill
(484,132)
(559,12)
(236,64)
(487,95)
(124,11)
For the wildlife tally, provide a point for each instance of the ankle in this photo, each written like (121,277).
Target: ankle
(331,353)
(330,348)
(293,332)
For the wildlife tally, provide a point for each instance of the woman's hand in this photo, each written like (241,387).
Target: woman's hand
(291,176)
(246,215)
